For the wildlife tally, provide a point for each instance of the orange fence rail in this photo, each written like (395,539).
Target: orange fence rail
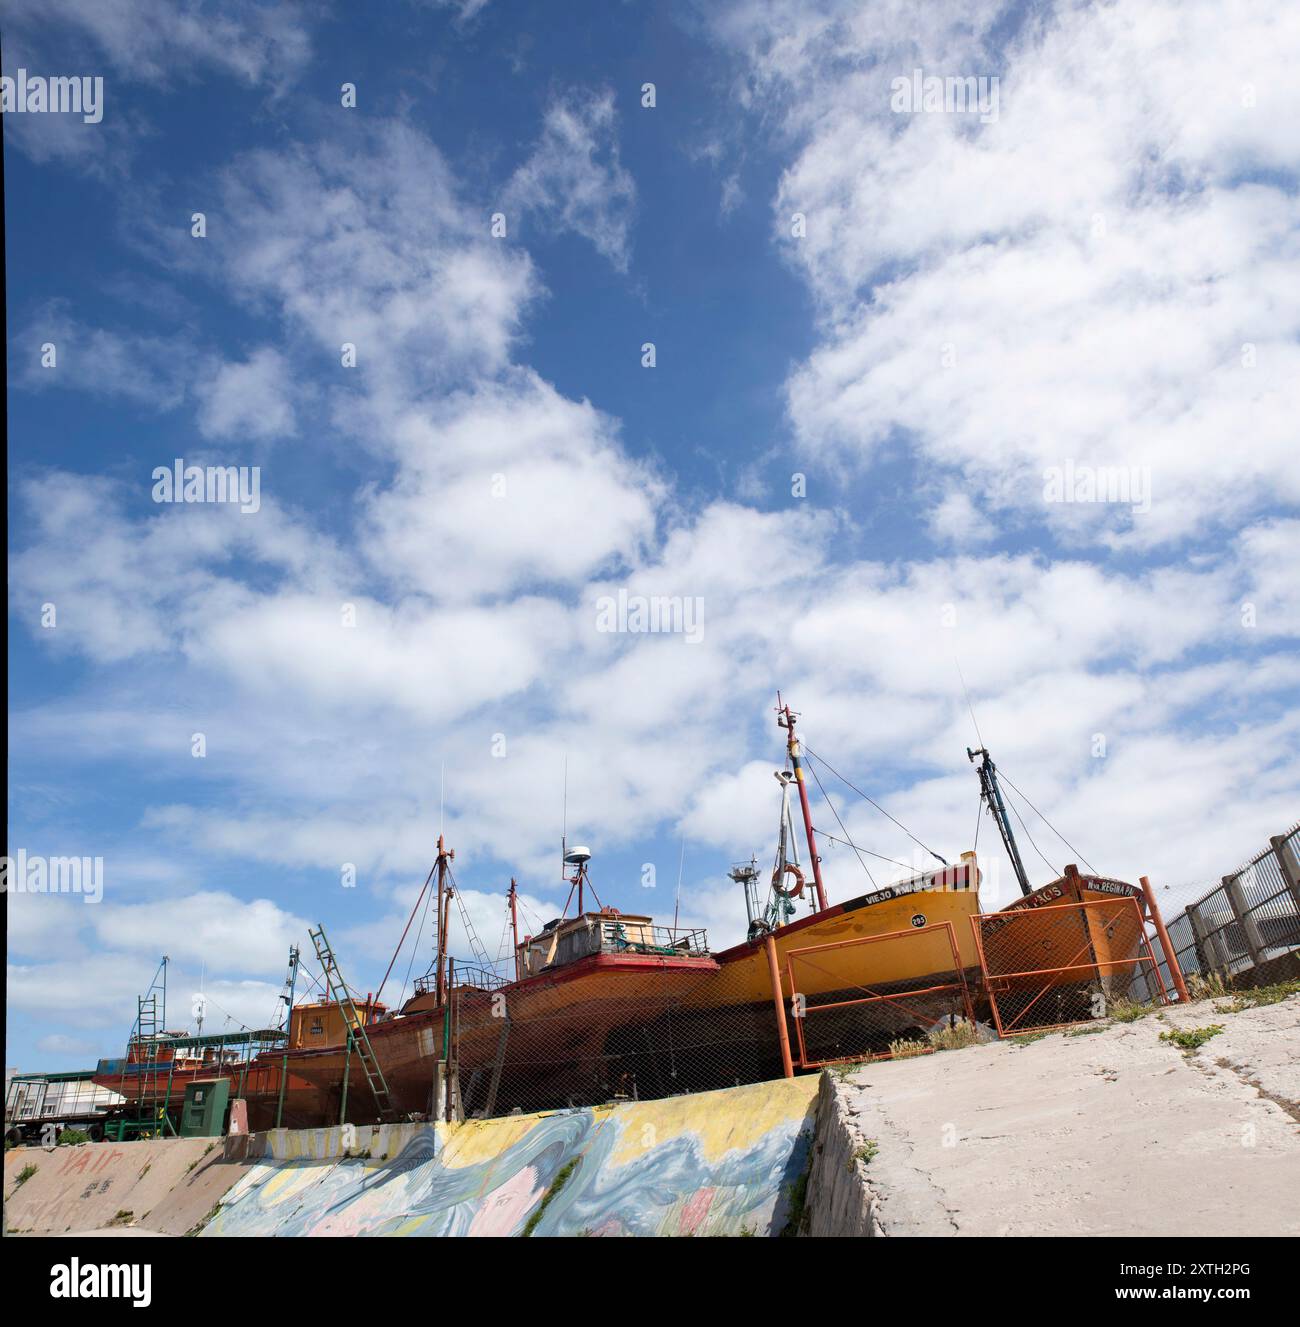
(861,1026)
(1054,966)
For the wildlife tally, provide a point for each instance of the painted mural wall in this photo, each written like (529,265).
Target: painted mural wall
(717,1163)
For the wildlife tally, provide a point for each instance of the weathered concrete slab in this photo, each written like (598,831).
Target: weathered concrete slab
(1108,1131)
(163,1185)
(1260,1051)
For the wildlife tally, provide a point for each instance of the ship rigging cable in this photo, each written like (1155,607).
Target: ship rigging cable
(405,929)
(1030,837)
(874,803)
(822,834)
(415,948)
(475,944)
(1049,824)
(980,738)
(840,823)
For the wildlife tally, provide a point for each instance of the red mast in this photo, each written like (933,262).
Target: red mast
(514,922)
(785,719)
(445,855)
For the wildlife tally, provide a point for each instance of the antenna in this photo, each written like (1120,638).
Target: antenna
(680,864)
(961,678)
(564,820)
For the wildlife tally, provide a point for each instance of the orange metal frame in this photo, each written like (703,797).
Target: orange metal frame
(898,998)
(990,978)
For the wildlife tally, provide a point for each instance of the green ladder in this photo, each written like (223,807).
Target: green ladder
(339,993)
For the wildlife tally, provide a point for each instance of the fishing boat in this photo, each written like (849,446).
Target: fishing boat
(604,1004)
(573,982)
(160,1065)
(1063,952)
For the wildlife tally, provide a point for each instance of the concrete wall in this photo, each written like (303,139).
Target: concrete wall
(717,1163)
(841,1200)
(166,1185)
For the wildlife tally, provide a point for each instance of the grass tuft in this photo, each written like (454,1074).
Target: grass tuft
(1202,986)
(1190,1038)
(865,1153)
(954,1037)
(904,1049)
(562,1177)
(1255,997)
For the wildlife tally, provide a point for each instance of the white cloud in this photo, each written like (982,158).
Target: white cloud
(157,41)
(1105,274)
(475,602)
(145,369)
(511,485)
(574,179)
(367,241)
(248,399)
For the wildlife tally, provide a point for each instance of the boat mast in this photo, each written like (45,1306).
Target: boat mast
(514,922)
(445,855)
(991,794)
(290,984)
(785,719)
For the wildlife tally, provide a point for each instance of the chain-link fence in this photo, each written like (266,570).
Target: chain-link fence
(1248,927)
(838,1017)
(628,1011)
(1050,966)
(647,1026)
(609,1033)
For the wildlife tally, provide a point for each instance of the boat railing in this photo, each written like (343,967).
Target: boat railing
(660,941)
(466,975)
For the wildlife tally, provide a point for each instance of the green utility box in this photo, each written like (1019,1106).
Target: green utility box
(204,1112)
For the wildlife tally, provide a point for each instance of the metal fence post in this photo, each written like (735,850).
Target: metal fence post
(1206,944)
(1171,958)
(1241,911)
(782,1032)
(1289,865)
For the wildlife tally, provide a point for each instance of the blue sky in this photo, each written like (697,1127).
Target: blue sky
(922,315)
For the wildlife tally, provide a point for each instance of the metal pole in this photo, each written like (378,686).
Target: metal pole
(514,923)
(1171,958)
(243,1069)
(347,1075)
(167,1101)
(284,1079)
(451,977)
(439,989)
(782,1032)
(796,763)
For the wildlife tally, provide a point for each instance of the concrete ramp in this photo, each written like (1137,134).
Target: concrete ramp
(717,1163)
(167,1186)
(1113,1129)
